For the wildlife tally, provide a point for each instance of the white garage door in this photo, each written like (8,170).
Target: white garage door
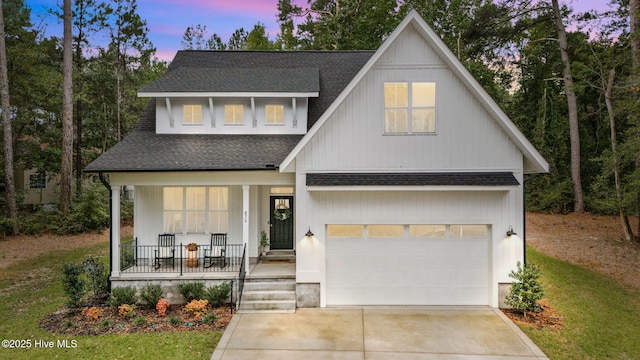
(407,265)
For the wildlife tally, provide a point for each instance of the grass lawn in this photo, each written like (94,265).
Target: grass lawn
(32,289)
(602,319)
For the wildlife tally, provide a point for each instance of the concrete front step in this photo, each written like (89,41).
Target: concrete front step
(279,256)
(269,285)
(268,295)
(276,306)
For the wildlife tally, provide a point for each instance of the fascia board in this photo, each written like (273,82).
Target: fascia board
(228,94)
(412,188)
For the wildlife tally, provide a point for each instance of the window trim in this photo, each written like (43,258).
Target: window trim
(409,110)
(241,123)
(266,115)
(194,108)
(40,181)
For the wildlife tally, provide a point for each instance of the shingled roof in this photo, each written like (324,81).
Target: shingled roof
(208,80)
(412,179)
(144,150)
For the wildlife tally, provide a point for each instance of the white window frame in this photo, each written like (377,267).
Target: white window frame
(274,115)
(192,114)
(408,109)
(237,119)
(182,214)
(38,180)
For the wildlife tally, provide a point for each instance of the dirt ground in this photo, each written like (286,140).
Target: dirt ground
(591,241)
(18,248)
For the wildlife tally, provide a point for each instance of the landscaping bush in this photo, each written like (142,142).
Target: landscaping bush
(192,290)
(218,294)
(73,284)
(98,278)
(125,295)
(526,290)
(91,210)
(150,295)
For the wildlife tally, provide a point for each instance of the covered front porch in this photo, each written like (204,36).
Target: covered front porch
(191,206)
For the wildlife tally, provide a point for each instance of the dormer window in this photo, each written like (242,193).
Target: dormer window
(233,114)
(274,114)
(192,114)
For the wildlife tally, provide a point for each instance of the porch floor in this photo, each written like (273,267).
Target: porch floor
(272,270)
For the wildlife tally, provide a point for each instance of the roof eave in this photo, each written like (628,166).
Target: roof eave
(185,94)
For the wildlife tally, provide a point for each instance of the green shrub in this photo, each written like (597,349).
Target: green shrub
(98,276)
(174,320)
(526,290)
(73,284)
(210,318)
(6,227)
(218,294)
(91,210)
(123,295)
(150,295)
(192,290)
(139,321)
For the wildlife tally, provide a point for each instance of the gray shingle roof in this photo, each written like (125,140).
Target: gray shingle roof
(412,179)
(144,150)
(189,79)
(147,151)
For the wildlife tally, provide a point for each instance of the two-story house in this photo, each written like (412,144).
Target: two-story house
(391,173)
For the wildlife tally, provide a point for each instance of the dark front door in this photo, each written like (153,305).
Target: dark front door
(281,222)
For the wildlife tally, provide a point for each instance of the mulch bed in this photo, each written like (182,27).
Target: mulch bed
(545,318)
(74,322)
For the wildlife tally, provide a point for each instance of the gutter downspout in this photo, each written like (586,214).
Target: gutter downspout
(106,184)
(524,221)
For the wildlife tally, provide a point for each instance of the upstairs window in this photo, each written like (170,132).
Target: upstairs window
(192,114)
(233,114)
(274,114)
(409,108)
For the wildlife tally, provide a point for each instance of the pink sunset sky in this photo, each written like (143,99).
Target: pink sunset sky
(168,19)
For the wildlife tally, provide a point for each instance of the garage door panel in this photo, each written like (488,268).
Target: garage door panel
(407,271)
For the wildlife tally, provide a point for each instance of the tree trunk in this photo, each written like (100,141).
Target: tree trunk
(624,220)
(634,20)
(67,114)
(574,131)
(10,187)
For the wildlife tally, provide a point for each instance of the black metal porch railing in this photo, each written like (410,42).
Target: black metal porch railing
(136,258)
(242,274)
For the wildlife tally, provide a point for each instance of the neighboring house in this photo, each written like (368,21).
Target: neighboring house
(406,172)
(39,187)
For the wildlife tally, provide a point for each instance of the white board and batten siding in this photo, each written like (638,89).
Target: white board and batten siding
(467,138)
(295,117)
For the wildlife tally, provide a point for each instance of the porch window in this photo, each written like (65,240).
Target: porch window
(409,108)
(274,114)
(195,210)
(233,114)
(192,114)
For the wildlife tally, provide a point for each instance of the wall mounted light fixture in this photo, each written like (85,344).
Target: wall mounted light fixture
(309,233)
(510,231)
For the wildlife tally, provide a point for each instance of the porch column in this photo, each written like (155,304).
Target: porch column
(115,230)
(245,224)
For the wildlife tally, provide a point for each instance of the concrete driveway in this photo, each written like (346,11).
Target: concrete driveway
(376,333)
